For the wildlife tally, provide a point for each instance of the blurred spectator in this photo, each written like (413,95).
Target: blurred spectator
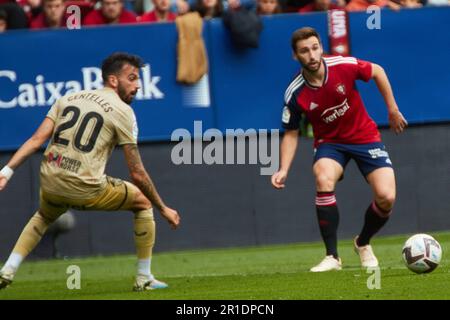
(319,5)
(52,15)
(85,7)
(362,5)
(438,2)
(209,8)
(236,4)
(160,13)
(32,8)
(215,8)
(110,12)
(176,6)
(268,7)
(411,3)
(181,6)
(3,21)
(245,27)
(142,6)
(293,5)
(15,16)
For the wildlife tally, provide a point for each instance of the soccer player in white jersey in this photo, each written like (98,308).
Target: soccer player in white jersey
(83,129)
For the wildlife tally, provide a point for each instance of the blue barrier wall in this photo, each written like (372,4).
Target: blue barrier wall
(34,63)
(413,47)
(249,85)
(244,88)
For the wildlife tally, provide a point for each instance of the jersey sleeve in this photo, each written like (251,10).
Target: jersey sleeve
(291,116)
(53,112)
(363,70)
(127,128)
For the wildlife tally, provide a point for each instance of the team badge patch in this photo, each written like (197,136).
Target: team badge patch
(286,115)
(340,88)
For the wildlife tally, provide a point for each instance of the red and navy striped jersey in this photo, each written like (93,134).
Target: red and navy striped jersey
(335,110)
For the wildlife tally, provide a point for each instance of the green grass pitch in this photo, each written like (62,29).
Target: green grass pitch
(269,272)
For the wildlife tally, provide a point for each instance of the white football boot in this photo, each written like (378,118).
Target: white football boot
(6,277)
(366,255)
(144,283)
(329,263)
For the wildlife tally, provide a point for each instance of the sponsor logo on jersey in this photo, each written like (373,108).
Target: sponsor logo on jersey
(286,115)
(63,162)
(54,159)
(331,114)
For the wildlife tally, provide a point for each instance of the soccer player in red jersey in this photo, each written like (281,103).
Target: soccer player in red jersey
(325,92)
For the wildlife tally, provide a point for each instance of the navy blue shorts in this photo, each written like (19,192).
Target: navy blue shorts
(368,157)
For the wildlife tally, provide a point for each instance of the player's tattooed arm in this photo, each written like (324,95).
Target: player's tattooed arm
(140,176)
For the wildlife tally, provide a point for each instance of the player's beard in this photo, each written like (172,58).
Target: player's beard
(124,96)
(311,69)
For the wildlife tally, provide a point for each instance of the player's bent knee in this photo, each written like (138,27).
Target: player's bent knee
(140,202)
(144,214)
(48,218)
(324,182)
(386,201)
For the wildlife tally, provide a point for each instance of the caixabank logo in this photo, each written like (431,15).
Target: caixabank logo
(43,93)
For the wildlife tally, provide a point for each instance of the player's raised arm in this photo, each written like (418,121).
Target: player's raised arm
(396,120)
(42,134)
(287,150)
(142,180)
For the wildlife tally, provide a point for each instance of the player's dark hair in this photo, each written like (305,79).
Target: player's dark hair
(115,62)
(302,34)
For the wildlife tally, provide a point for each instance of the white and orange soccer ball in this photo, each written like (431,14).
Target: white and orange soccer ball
(422,253)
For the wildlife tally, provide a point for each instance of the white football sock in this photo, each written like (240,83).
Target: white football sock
(13,262)
(144,267)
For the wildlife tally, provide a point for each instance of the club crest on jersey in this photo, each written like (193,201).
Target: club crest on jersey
(340,88)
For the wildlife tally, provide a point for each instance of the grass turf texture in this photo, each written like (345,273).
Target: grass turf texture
(269,272)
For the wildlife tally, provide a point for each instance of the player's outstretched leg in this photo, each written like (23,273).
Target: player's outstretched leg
(382,181)
(30,237)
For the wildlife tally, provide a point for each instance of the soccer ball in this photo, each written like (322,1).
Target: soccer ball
(422,253)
